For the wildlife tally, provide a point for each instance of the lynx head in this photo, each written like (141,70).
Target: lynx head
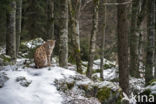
(51,44)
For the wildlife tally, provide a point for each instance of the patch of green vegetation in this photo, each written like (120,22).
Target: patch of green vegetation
(70,85)
(27,52)
(84,49)
(103,94)
(84,87)
(5,58)
(108,66)
(115,80)
(152,82)
(96,71)
(146,92)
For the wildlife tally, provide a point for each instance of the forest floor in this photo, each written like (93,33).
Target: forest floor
(22,84)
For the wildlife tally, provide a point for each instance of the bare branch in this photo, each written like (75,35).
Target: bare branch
(112,4)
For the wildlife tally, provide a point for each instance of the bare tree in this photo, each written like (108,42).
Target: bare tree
(11,31)
(92,49)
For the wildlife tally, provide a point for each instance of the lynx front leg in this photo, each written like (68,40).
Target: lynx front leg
(49,60)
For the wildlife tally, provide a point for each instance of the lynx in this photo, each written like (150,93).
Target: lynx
(42,56)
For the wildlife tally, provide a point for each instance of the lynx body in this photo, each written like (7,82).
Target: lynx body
(42,56)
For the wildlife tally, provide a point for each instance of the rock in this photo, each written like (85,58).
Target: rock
(23,81)
(3,79)
(79,89)
(83,101)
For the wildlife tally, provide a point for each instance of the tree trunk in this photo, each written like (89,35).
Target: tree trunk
(142,34)
(11,31)
(122,31)
(18,23)
(74,12)
(63,33)
(103,40)
(155,38)
(32,16)
(50,19)
(92,47)
(134,63)
(151,42)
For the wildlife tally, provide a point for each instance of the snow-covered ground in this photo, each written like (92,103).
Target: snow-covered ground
(41,89)
(27,85)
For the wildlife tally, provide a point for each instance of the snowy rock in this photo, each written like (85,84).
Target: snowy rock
(3,79)
(33,43)
(23,81)
(83,101)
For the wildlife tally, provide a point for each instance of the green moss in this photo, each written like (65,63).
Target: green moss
(146,92)
(70,85)
(115,80)
(27,52)
(107,66)
(96,71)
(84,87)
(152,81)
(5,58)
(103,94)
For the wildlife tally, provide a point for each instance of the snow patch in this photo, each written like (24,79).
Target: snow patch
(40,91)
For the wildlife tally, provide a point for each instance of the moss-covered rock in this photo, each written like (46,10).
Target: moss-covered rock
(108,96)
(23,81)
(3,79)
(103,94)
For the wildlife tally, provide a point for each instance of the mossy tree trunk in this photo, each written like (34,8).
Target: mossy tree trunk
(122,31)
(74,13)
(50,19)
(18,23)
(150,42)
(92,48)
(63,33)
(11,31)
(134,62)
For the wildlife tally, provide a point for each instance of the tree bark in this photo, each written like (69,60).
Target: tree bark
(103,40)
(63,33)
(74,12)
(18,23)
(11,31)
(142,34)
(134,62)
(50,19)
(155,38)
(92,47)
(151,42)
(122,31)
